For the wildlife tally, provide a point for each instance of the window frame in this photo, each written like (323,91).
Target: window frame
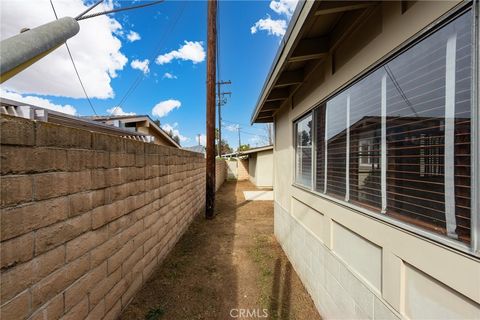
(311,114)
(473,248)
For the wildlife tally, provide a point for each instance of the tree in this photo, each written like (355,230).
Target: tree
(269,131)
(244,147)
(176,138)
(225,148)
(157,122)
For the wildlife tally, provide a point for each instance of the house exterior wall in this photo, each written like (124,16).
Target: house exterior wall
(260,168)
(353,265)
(159,139)
(86,217)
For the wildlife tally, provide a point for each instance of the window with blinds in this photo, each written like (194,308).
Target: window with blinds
(398,141)
(303,151)
(428,131)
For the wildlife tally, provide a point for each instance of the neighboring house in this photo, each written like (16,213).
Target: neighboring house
(142,124)
(376,156)
(198,149)
(254,164)
(29,111)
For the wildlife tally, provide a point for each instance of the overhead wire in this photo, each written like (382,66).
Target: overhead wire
(141,76)
(82,16)
(74,65)
(88,9)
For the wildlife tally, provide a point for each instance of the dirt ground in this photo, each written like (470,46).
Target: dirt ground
(224,265)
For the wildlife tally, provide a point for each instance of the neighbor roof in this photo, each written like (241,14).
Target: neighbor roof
(137,118)
(249,151)
(29,111)
(197,148)
(315,30)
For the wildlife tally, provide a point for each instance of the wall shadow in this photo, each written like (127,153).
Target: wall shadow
(198,279)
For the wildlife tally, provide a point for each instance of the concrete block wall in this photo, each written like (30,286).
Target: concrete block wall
(242,169)
(86,217)
(337,291)
(220,172)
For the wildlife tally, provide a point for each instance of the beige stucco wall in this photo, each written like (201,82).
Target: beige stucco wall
(159,139)
(260,168)
(356,266)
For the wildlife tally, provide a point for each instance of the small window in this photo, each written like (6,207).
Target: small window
(303,151)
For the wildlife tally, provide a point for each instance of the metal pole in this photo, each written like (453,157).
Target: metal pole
(24,49)
(211,74)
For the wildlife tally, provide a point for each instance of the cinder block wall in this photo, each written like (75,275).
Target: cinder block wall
(86,217)
(220,173)
(242,170)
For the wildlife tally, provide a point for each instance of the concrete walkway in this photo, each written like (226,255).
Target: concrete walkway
(227,268)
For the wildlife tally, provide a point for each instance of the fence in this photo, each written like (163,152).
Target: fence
(85,217)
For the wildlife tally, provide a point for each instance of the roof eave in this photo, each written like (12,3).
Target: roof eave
(295,24)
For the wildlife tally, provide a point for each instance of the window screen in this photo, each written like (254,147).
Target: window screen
(336,145)
(428,131)
(365,141)
(303,151)
(398,140)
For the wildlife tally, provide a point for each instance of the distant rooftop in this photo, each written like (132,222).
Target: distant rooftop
(198,148)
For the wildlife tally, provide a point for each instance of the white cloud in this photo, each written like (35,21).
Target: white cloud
(141,65)
(133,36)
(169,75)
(201,139)
(190,51)
(39,102)
(232,127)
(173,128)
(286,7)
(273,27)
(96,50)
(162,108)
(118,111)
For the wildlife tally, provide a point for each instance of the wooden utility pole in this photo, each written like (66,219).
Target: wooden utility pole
(220,103)
(211,79)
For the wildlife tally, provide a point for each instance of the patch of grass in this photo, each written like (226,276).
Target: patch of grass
(261,255)
(154,314)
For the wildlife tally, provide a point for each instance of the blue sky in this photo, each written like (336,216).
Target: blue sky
(245,54)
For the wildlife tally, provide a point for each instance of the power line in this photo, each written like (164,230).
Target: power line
(73,63)
(141,76)
(243,124)
(236,122)
(82,16)
(88,10)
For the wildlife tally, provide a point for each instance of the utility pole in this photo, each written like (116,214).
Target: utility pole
(26,48)
(211,79)
(199,136)
(239,141)
(220,103)
(22,50)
